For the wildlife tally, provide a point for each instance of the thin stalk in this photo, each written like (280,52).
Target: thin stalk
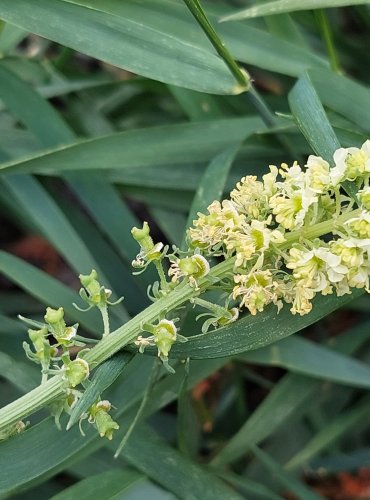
(104,314)
(266,114)
(327,35)
(197,11)
(44,394)
(240,74)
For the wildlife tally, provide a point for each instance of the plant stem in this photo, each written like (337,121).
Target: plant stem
(196,9)
(328,39)
(46,393)
(104,314)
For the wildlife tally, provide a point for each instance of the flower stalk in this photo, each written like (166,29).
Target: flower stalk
(268,235)
(46,393)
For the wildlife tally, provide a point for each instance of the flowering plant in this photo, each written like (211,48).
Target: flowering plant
(281,240)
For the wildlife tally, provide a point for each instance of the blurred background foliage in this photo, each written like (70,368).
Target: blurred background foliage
(116,112)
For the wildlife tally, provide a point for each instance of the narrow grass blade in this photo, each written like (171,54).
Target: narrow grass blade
(104,486)
(127,35)
(289,397)
(253,332)
(171,223)
(21,375)
(330,433)
(312,120)
(157,40)
(164,145)
(288,481)
(154,457)
(314,124)
(32,110)
(334,90)
(251,488)
(299,355)
(281,6)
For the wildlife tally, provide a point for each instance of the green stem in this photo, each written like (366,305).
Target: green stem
(44,394)
(162,276)
(241,76)
(196,9)
(328,39)
(104,313)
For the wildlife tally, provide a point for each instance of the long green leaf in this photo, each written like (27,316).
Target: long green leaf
(313,122)
(104,486)
(331,433)
(165,145)
(289,397)
(286,479)
(32,110)
(281,6)
(302,356)
(334,90)
(21,375)
(159,40)
(127,35)
(154,457)
(51,129)
(253,332)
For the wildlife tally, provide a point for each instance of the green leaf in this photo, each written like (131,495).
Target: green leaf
(32,110)
(289,397)
(302,356)
(52,223)
(312,120)
(165,145)
(23,376)
(331,433)
(128,35)
(280,6)
(104,486)
(102,378)
(334,90)
(10,36)
(154,457)
(253,332)
(159,40)
(314,124)
(286,479)
(251,488)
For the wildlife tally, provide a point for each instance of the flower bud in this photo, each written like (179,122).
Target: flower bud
(164,336)
(98,414)
(364,197)
(77,371)
(54,316)
(105,424)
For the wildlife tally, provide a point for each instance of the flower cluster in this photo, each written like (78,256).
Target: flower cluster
(60,351)
(272,229)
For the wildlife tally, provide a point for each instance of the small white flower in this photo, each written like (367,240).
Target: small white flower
(318,174)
